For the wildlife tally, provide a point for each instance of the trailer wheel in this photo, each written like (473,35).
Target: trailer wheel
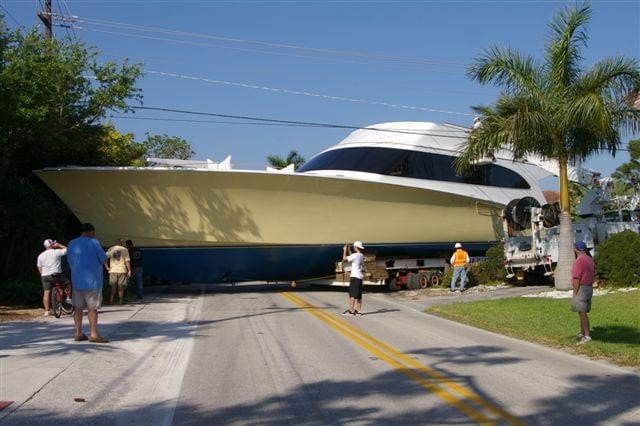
(392,284)
(423,280)
(413,283)
(435,278)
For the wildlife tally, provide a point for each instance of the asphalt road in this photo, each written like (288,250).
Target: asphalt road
(269,355)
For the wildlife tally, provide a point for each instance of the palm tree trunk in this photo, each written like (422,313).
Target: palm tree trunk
(562,275)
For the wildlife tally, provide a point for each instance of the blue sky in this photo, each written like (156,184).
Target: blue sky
(354,63)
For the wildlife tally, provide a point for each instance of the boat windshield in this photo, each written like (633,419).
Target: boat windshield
(413,164)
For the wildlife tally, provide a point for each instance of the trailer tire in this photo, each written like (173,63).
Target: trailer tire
(423,280)
(413,283)
(392,284)
(435,278)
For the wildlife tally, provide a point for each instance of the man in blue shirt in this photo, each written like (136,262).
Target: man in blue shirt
(86,257)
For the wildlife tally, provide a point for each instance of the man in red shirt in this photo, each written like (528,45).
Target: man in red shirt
(582,275)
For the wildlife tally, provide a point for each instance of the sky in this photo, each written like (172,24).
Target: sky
(350,63)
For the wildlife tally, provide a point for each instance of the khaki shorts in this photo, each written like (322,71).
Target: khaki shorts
(581,302)
(118,279)
(89,299)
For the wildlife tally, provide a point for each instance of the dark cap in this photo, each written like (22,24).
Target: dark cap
(580,246)
(87,227)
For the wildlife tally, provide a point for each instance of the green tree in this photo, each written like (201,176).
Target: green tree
(120,149)
(54,97)
(280,163)
(165,146)
(630,172)
(555,109)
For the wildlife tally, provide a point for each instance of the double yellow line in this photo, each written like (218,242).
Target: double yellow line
(466,401)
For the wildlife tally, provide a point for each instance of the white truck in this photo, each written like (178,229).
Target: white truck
(531,231)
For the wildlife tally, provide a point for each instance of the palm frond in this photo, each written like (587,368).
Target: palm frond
(565,45)
(600,97)
(506,68)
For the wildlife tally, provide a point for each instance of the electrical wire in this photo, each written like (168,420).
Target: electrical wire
(6,12)
(289,122)
(262,52)
(366,55)
(310,94)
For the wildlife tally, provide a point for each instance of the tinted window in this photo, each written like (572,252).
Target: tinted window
(420,165)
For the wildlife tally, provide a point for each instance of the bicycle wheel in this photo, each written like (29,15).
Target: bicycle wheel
(67,308)
(57,298)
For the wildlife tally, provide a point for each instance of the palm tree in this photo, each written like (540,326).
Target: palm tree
(555,109)
(280,163)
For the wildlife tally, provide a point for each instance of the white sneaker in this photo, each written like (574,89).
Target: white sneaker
(580,336)
(584,339)
(46,313)
(68,301)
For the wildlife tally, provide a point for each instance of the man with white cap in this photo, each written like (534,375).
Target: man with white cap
(355,282)
(49,265)
(459,260)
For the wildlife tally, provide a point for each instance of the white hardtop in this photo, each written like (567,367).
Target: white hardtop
(445,138)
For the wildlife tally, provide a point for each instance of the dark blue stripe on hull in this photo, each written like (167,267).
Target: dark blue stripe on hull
(275,263)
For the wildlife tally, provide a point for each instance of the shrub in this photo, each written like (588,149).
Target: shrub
(23,293)
(491,270)
(617,260)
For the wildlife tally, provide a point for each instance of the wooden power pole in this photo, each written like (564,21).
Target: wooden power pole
(47,19)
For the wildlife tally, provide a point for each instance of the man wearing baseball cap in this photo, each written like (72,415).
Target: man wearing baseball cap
(355,281)
(582,275)
(49,265)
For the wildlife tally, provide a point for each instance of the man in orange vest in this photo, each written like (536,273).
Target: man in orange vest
(459,261)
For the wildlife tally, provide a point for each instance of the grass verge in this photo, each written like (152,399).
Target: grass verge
(615,323)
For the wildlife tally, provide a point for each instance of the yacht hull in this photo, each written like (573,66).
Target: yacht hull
(208,226)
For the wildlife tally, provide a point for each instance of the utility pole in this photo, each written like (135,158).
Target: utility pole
(47,19)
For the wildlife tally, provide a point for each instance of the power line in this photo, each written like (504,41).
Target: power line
(300,123)
(286,123)
(6,12)
(263,52)
(357,54)
(310,94)
(186,120)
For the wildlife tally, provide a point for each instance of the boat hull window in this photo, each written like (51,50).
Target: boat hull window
(413,164)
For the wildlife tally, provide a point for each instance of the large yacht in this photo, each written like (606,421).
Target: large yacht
(392,186)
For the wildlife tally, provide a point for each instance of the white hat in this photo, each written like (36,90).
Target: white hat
(458,245)
(476,119)
(48,243)
(358,244)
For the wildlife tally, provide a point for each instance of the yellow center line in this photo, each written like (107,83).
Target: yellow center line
(435,382)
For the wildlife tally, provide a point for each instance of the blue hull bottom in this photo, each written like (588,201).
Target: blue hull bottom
(275,263)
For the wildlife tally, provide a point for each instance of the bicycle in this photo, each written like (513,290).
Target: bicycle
(61,299)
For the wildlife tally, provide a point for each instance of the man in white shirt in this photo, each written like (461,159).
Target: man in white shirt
(355,282)
(49,265)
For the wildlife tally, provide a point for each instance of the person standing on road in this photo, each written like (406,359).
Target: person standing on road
(355,281)
(135,254)
(582,275)
(86,257)
(119,268)
(459,260)
(49,265)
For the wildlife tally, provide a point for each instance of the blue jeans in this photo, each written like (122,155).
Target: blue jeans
(459,272)
(137,276)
